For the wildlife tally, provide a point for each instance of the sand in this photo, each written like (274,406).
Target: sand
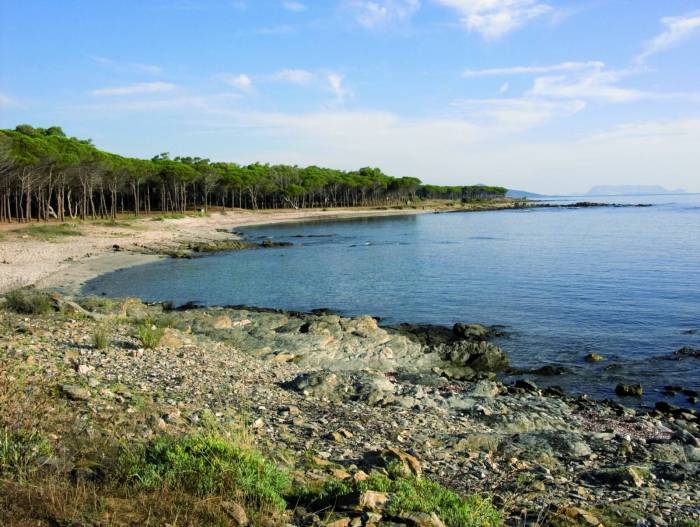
(66,263)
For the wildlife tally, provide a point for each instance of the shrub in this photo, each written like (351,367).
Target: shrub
(205,465)
(28,302)
(149,335)
(100,338)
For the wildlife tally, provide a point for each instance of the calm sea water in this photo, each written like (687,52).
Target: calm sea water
(622,282)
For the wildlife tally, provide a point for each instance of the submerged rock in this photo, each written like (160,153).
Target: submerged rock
(629,390)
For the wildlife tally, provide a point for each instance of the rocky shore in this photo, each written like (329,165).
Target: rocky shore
(331,399)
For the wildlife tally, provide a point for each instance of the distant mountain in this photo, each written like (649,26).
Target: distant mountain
(620,190)
(512,193)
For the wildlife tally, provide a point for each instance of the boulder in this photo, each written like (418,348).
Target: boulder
(474,332)
(629,390)
(594,357)
(479,356)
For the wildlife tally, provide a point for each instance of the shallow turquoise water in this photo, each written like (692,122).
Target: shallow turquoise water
(623,282)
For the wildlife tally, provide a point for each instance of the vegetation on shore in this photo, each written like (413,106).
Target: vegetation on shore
(47,175)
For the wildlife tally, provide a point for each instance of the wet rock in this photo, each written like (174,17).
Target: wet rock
(550,370)
(479,356)
(526,385)
(629,390)
(688,352)
(594,357)
(475,332)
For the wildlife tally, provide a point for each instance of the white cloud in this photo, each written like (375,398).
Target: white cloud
(677,29)
(294,6)
(515,114)
(504,88)
(241,82)
(136,67)
(530,70)
(376,13)
(599,85)
(335,83)
(294,76)
(494,18)
(135,89)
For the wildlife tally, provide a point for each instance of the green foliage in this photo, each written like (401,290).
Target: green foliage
(149,334)
(171,320)
(22,453)
(28,302)
(409,494)
(205,465)
(100,338)
(103,183)
(51,232)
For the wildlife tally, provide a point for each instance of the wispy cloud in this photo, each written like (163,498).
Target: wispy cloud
(294,6)
(135,89)
(335,83)
(6,101)
(376,13)
(135,67)
(598,84)
(516,114)
(677,29)
(294,76)
(495,18)
(532,70)
(241,81)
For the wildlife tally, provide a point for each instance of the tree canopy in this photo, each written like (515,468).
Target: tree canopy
(45,174)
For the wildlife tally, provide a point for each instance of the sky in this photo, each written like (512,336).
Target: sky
(551,96)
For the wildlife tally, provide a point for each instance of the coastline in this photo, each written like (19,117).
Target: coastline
(66,263)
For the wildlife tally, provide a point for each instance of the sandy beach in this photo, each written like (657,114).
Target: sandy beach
(66,262)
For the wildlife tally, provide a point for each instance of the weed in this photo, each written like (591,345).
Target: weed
(149,334)
(100,338)
(204,465)
(410,494)
(22,453)
(28,302)
(170,216)
(51,232)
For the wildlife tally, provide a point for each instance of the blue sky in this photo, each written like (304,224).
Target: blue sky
(544,95)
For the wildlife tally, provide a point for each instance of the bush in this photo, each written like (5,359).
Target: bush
(149,335)
(205,465)
(410,494)
(100,338)
(28,302)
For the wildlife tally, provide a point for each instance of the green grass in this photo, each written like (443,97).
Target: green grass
(28,302)
(205,465)
(149,334)
(171,320)
(51,232)
(22,453)
(170,216)
(100,338)
(409,494)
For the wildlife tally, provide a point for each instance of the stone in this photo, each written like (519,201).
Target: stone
(236,512)
(470,331)
(409,464)
(420,519)
(628,476)
(526,385)
(594,357)
(373,500)
(342,522)
(75,393)
(171,339)
(222,322)
(629,390)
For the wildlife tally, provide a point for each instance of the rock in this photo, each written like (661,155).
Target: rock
(373,500)
(479,356)
(629,390)
(629,476)
(526,385)
(171,339)
(236,512)
(485,388)
(84,370)
(550,370)
(409,464)
(75,393)
(475,332)
(222,322)
(594,357)
(688,352)
(582,516)
(420,519)
(342,522)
